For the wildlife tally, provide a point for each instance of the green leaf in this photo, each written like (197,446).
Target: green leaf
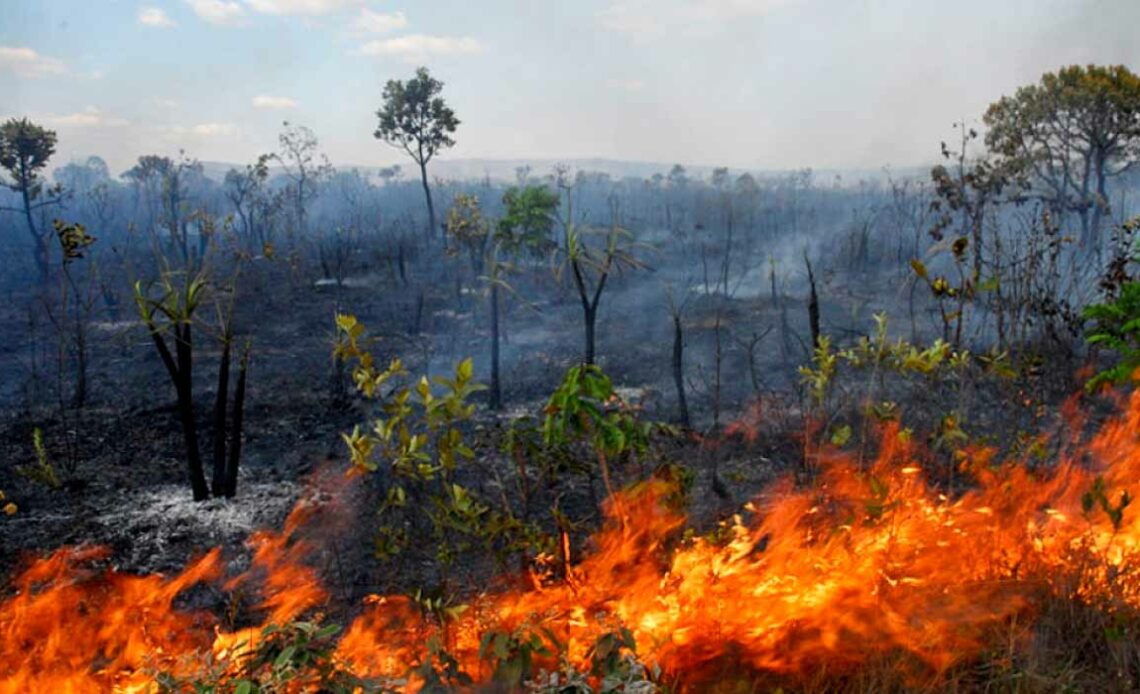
(284,657)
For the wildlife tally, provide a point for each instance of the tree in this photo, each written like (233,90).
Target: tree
(169,311)
(416,119)
(525,227)
(82,177)
(166,181)
(1070,133)
(529,218)
(246,192)
(304,168)
(25,149)
(591,267)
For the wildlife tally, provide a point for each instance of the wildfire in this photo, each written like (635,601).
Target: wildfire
(868,562)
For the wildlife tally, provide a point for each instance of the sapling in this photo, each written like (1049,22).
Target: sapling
(171,312)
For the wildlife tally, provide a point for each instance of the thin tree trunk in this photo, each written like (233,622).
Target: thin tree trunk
(236,427)
(427,196)
(813,306)
(40,249)
(591,315)
(496,388)
(185,388)
(80,397)
(218,485)
(679,370)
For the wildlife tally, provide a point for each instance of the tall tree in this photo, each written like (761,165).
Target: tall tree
(415,118)
(166,182)
(24,152)
(304,166)
(245,189)
(1070,133)
(82,178)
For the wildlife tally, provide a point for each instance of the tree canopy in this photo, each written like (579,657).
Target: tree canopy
(415,117)
(1068,134)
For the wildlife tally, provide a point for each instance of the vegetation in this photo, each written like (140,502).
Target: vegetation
(505,539)
(25,149)
(417,120)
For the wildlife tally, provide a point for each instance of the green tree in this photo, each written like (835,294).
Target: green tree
(525,228)
(25,149)
(1070,133)
(528,222)
(416,119)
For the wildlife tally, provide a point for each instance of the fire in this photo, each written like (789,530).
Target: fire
(867,563)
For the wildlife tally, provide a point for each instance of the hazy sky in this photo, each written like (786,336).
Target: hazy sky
(744,83)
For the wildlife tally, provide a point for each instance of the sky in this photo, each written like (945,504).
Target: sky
(750,84)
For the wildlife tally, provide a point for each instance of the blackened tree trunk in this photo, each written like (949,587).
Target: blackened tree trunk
(184,386)
(813,306)
(427,196)
(496,388)
(79,399)
(236,427)
(679,370)
(39,243)
(218,483)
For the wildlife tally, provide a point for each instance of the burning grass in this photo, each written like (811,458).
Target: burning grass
(869,578)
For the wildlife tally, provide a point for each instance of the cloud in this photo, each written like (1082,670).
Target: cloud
(414,47)
(371,22)
(273,102)
(226,12)
(214,129)
(90,117)
(301,7)
(25,62)
(154,17)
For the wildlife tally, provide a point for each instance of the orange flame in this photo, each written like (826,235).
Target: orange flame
(868,562)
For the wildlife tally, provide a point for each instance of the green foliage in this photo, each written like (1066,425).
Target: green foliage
(585,407)
(293,657)
(73,239)
(1116,327)
(25,149)
(175,301)
(466,226)
(419,437)
(1097,497)
(614,666)
(42,471)
(513,653)
(440,671)
(415,118)
(1076,115)
(878,351)
(819,375)
(529,219)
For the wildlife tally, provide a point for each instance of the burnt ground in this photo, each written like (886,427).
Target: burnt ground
(121,456)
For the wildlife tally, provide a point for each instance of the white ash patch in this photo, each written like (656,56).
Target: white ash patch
(636,395)
(160,524)
(115,326)
(361,282)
